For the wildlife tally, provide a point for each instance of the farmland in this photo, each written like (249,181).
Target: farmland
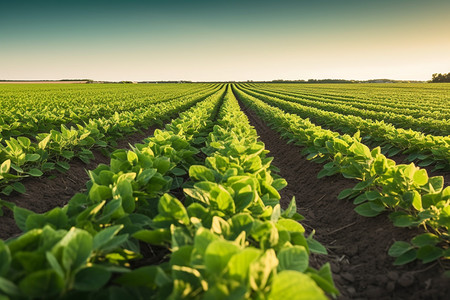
(244,190)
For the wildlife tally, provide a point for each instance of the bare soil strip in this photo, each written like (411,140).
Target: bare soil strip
(44,193)
(357,245)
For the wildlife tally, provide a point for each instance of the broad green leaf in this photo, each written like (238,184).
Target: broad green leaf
(220,226)
(132,157)
(30,261)
(380,165)
(53,262)
(55,217)
(244,191)
(420,177)
(324,279)
(286,286)
(360,199)
(316,247)
(105,177)
(403,220)
(262,269)
(129,177)
(224,201)
(42,284)
(162,164)
(74,249)
(5,258)
(291,209)
(203,238)
(180,237)
(366,210)
(98,193)
(120,241)
(279,183)
(19,187)
(35,172)
(360,150)
(170,206)
(8,287)
(217,256)
(20,216)
(399,248)
(153,237)
(187,279)
(425,239)
(345,193)
(201,173)
(29,238)
(5,167)
(276,213)
(125,190)
(362,185)
(43,143)
(406,257)
(291,225)
(113,209)
(239,264)
(32,157)
(182,256)
(144,177)
(293,258)
(415,199)
(178,172)
(63,165)
(436,183)
(372,195)
(91,278)
(429,253)
(145,276)
(242,222)
(105,236)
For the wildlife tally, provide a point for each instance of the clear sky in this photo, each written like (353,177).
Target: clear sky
(224,40)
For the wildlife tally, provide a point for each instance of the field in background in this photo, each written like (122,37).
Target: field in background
(368,164)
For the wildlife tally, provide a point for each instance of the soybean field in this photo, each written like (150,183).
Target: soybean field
(225,191)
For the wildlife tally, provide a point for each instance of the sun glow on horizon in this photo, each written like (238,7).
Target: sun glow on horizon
(204,41)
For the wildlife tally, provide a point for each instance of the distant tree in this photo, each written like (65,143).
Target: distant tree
(438,77)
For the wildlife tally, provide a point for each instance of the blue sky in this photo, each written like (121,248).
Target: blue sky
(224,40)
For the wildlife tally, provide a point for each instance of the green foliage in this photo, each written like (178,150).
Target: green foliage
(97,125)
(415,198)
(438,77)
(228,238)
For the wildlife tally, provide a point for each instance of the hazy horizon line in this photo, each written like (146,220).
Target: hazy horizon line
(190,80)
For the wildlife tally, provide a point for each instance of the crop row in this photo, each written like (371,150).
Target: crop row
(30,111)
(20,157)
(391,106)
(415,198)
(432,124)
(77,248)
(227,235)
(416,97)
(427,149)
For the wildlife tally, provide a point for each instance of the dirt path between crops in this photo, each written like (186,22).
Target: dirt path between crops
(43,194)
(357,245)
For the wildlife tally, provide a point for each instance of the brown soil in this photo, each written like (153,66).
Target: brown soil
(357,245)
(47,192)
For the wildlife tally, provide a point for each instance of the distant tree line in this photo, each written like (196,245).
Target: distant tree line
(341,81)
(313,81)
(438,77)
